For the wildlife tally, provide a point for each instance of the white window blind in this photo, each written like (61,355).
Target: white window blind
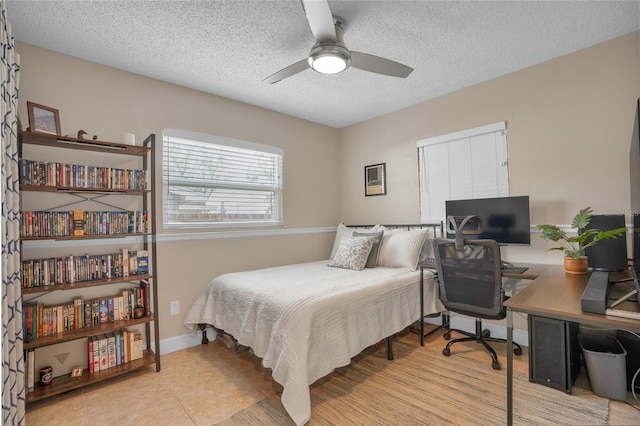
(467,164)
(209,181)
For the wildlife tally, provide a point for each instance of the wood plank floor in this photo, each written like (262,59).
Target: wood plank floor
(207,384)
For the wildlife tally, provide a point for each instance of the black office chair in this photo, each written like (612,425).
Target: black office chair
(470,282)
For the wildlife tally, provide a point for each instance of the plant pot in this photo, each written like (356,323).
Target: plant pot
(573,266)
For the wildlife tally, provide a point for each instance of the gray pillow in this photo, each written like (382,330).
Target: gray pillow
(352,253)
(372,260)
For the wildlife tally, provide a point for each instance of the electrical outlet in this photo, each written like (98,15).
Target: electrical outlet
(174,307)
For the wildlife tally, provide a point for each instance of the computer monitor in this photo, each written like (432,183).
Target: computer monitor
(504,219)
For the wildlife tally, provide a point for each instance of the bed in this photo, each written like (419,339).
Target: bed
(305,320)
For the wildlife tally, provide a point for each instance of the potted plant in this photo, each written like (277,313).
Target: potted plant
(575,262)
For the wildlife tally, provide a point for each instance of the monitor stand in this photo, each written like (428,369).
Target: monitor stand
(631,293)
(623,298)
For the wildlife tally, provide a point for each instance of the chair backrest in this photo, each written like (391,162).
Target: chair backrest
(470,277)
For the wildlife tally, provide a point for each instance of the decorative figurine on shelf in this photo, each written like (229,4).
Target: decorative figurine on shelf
(81,134)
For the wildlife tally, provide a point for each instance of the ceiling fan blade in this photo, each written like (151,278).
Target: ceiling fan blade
(287,72)
(379,65)
(320,20)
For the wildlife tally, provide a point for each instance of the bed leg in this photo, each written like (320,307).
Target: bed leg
(203,328)
(390,348)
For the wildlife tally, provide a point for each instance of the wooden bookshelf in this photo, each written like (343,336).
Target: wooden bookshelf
(134,241)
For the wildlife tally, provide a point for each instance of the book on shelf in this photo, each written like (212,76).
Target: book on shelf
(145,290)
(136,346)
(90,353)
(96,353)
(103,345)
(126,345)
(111,346)
(125,261)
(119,308)
(71,321)
(78,222)
(87,314)
(119,348)
(126,311)
(111,309)
(104,311)
(95,311)
(133,262)
(63,320)
(143,261)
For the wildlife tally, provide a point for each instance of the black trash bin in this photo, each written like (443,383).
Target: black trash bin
(605,358)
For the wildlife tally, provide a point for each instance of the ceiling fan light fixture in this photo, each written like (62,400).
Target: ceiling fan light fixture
(329,64)
(329,58)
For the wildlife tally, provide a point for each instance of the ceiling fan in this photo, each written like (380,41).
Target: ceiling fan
(329,55)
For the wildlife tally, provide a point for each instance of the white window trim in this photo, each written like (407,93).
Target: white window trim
(427,214)
(476,131)
(235,143)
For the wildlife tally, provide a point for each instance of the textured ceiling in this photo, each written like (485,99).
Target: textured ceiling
(228,47)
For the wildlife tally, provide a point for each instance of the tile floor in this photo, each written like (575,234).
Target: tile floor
(201,385)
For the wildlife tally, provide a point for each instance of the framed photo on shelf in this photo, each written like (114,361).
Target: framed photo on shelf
(43,119)
(375,179)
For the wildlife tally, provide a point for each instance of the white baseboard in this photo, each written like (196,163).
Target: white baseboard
(183,341)
(469,324)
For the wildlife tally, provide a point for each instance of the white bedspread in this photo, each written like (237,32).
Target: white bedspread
(307,319)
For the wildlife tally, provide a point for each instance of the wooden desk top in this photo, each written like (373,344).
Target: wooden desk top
(556,294)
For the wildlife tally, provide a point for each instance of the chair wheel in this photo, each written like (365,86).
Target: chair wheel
(486,333)
(446,352)
(447,335)
(517,351)
(495,365)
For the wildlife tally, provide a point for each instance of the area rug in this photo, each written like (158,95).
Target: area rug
(423,387)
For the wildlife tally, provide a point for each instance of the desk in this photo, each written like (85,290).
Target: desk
(554,294)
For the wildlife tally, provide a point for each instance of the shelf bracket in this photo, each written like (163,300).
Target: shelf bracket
(90,198)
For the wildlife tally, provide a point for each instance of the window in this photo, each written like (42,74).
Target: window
(467,164)
(209,181)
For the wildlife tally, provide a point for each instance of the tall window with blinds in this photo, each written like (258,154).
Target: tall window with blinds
(209,181)
(467,164)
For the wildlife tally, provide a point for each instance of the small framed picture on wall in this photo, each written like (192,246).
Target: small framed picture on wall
(375,179)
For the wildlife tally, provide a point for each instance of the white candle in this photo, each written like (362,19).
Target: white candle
(129,138)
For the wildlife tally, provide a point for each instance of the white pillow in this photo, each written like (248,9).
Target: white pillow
(427,247)
(343,231)
(353,253)
(401,249)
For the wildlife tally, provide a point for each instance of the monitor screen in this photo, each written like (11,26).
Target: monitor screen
(504,219)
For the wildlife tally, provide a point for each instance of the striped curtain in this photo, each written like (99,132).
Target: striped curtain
(13,391)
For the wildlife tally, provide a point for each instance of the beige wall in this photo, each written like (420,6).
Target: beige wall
(570,121)
(108,102)
(577,108)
